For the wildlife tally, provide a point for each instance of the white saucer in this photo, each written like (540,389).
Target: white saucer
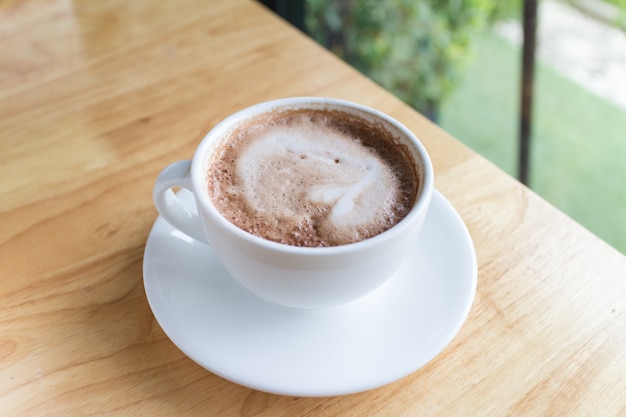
(363,345)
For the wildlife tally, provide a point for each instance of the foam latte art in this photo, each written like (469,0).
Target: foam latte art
(312,178)
(290,168)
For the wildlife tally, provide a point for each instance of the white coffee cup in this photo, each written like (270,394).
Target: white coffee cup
(292,276)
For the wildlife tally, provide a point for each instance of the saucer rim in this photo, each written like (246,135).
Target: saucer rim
(451,330)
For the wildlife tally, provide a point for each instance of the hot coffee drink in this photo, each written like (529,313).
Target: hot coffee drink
(307,172)
(313,177)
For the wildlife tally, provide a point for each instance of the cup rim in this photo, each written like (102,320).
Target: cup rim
(199,181)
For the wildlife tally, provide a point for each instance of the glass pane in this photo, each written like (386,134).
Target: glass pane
(459,62)
(578,149)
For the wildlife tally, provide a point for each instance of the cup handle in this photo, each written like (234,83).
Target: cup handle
(169,205)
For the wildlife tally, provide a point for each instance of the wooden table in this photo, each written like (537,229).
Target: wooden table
(97,96)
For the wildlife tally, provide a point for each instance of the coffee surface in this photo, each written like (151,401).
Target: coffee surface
(312,178)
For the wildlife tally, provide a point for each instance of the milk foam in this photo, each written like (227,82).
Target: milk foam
(306,183)
(288,166)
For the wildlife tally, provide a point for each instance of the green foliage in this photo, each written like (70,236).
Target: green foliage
(414,48)
(620,4)
(578,147)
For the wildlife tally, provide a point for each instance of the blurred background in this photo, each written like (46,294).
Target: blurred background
(459,62)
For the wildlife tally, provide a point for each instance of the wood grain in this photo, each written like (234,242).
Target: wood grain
(97,97)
